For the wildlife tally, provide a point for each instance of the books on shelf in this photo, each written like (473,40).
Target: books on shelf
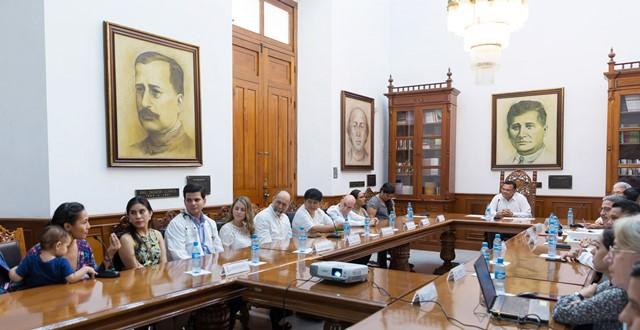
(431,161)
(432,117)
(632,102)
(629,161)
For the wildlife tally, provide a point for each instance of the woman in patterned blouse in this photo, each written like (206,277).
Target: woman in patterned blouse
(236,233)
(141,246)
(596,304)
(75,220)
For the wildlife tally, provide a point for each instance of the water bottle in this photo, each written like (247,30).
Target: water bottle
(556,222)
(484,251)
(302,240)
(548,220)
(392,219)
(500,276)
(570,217)
(346,228)
(255,249)
(552,238)
(497,248)
(367,224)
(196,258)
(487,214)
(409,212)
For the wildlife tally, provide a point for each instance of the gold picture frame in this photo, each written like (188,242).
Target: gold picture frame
(152,100)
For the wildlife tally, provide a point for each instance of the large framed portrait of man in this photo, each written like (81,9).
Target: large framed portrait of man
(153,99)
(356,147)
(527,129)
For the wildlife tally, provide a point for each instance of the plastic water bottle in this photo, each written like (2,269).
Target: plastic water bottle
(255,249)
(409,212)
(500,276)
(196,258)
(487,214)
(552,238)
(484,250)
(346,228)
(392,219)
(302,240)
(497,248)
(367,224)
(556,222)
(570,217)
(548,220)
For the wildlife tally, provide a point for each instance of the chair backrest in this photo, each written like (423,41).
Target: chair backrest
(15,245)
(524,184)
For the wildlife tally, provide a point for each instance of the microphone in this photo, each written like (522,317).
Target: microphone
(110,272)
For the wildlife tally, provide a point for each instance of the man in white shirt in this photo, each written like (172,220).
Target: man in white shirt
(509,203)
(272,223)
(344,210)
(311,218)
(192,225)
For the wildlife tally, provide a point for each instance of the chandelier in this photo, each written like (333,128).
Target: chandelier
(485,26)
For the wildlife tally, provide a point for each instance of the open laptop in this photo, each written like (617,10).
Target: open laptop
(509,307)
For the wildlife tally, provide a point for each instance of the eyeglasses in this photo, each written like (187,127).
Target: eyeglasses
(615,250)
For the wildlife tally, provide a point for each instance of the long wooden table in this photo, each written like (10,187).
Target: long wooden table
(155,293)
(527,272)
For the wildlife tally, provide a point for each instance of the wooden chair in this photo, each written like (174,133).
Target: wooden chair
(12,245)
(524,184)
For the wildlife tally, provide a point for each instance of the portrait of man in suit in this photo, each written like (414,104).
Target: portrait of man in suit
(527,129)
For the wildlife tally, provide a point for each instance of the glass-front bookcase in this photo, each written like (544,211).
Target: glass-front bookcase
(623,141)
(422,143)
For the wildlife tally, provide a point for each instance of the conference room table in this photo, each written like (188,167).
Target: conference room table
(147,295)
(526,272)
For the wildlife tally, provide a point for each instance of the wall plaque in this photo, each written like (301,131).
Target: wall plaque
(158,193)
(356,184)
(203,180)
(560,181)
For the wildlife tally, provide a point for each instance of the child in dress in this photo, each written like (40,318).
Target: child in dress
(49,267)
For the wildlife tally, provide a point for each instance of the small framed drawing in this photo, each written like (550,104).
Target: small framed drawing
(527,129)
(153,99)
(356,147)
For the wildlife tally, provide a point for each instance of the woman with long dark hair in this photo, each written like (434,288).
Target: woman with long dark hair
(142,246)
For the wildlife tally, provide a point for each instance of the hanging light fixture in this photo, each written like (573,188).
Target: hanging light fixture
(485,26)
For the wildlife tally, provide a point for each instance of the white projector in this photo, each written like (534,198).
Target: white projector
(339,271)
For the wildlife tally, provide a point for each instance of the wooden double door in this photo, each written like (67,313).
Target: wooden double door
(264,120)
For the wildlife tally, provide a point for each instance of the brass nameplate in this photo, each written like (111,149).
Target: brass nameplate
(158,193)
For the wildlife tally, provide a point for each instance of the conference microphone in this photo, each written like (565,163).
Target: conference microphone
(106,273)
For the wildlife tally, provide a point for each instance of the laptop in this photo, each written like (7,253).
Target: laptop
(509,307)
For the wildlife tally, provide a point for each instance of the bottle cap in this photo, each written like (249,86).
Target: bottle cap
(500,260)
(497,235)
(195,243)
(485,244)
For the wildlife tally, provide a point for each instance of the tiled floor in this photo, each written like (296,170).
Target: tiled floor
(424,262)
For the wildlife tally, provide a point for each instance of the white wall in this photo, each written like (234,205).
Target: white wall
(558,46)
(24,174)
(343,45)
(76,99)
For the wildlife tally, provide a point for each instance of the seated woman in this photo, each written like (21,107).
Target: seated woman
(631,313)
(625,252)
(596,304)
(359,211)
(141,246)
(73,218)
(236,233)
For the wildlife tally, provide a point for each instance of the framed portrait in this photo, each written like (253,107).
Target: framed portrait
(356,147)
(153,99)
(527,129)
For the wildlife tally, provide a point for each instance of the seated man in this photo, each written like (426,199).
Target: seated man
(587,249)
(619,188)
(604,220)
(311,218)
(380,205)
(192,225)
(344,210)
(509,203)
(272,223)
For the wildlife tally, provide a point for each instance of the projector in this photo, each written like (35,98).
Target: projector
(337,271)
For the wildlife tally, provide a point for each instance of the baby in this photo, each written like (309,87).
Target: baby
(49,267)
